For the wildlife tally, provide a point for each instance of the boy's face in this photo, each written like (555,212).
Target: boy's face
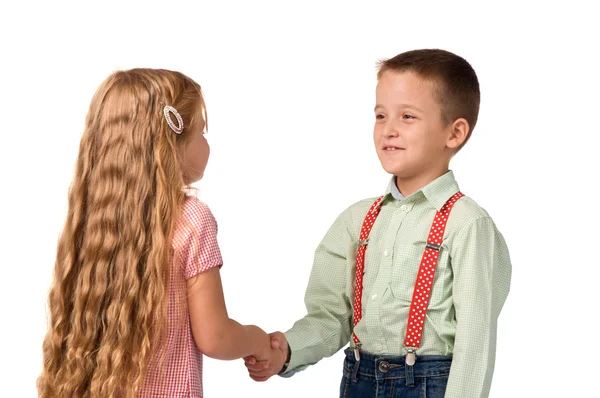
(410,136)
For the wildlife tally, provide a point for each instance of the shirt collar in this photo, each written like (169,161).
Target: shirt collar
(393,188)
(437,192)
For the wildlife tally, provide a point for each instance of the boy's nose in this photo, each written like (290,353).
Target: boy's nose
(391,129)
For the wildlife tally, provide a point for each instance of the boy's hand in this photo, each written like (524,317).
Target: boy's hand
(262,370)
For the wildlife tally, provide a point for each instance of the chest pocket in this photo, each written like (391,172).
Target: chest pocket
(405,265)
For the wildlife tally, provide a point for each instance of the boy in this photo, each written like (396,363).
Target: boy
(418,299)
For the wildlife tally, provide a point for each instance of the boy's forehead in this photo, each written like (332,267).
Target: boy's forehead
(406,80)
(405,85)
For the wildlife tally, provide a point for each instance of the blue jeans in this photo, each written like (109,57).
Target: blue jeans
(383,377)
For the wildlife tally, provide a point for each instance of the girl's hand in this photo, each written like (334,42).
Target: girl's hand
(260,369)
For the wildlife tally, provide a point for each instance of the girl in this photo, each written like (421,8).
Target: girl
(136,296)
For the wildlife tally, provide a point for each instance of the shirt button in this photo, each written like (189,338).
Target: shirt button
(385,252)
(374,297)
(378,347)
(404,207)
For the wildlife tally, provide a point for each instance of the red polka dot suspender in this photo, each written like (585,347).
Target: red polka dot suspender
(423,283)
(360,266)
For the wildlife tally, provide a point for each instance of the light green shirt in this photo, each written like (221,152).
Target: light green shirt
(471,285)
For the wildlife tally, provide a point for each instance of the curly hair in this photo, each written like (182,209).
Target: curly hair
(108,300)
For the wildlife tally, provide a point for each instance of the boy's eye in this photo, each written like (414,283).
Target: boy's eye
(379,116)
(406,116)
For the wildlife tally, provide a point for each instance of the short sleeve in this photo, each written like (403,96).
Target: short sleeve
(195,239)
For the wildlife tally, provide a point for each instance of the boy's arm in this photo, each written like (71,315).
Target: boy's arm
(327,326)
(482,272)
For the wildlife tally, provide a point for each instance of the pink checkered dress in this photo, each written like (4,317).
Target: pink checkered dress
(195,240)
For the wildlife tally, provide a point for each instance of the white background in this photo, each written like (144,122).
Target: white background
(290,92)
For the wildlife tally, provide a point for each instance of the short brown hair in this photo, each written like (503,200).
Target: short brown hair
(454,80)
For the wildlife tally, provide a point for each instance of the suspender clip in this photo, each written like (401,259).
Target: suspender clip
(411,356)
(357,351)
(433,246)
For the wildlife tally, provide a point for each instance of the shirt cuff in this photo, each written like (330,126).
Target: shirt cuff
(298,359)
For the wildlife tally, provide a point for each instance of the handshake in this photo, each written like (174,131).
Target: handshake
(270,360)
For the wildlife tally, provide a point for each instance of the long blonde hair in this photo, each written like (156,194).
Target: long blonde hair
(109,295)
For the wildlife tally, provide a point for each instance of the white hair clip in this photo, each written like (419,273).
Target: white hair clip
(176,128)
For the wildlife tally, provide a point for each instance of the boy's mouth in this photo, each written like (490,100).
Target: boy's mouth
(392,148)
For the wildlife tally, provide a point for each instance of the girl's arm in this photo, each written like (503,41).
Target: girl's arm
(215,334)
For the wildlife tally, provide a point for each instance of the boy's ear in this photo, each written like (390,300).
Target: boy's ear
(458,133)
